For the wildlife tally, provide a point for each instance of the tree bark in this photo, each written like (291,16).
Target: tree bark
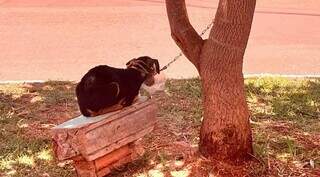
(183,32)
(225,132)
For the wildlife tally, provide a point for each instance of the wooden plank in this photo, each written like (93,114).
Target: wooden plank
(84,168)
(100,152)
(63,145)
(95,138)
(82,121)
(112,157)
(140,106)
(105,171)
(136,151)
(114,132)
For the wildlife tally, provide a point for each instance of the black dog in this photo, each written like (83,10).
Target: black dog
(105,89)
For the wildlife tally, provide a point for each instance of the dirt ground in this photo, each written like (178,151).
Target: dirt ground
(61,40)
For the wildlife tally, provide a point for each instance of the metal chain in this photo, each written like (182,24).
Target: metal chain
(180,54)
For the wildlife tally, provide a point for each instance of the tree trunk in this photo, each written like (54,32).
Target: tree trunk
(225,132)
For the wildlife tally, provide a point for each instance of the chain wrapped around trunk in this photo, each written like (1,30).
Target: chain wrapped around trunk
(180,54)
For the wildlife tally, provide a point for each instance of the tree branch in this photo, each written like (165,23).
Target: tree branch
(183,33)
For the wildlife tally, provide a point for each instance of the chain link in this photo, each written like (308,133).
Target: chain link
(180,54)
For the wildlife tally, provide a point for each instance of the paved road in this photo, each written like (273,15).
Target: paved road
(53,39)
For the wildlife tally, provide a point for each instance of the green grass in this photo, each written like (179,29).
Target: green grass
(20,154)
(296,100)
(187,94)
(285,113)
(285,99)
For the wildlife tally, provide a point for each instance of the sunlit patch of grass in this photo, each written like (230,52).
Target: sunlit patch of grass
(141,175)
(178,163)
(15,90)
(37,99)
(6,163)
(283,156)
(180,173)
(26,160)
(11,173)
(155,173)
(45,154)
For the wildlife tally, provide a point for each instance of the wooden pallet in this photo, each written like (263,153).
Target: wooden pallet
(99,144)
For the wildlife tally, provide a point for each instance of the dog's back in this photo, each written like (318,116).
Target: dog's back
(98,88)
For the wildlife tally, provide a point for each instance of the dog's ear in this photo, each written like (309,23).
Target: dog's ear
(129,62)
(156,62)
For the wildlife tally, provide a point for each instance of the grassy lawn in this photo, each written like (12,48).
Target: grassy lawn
(285,122)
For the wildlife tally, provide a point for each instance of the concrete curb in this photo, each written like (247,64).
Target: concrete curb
(282,75)
(245,76)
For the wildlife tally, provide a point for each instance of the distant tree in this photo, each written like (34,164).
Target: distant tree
(225,132)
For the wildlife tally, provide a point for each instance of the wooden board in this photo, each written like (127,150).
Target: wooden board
(104,165)
(95,137)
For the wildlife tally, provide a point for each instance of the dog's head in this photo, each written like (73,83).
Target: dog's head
(147,66)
